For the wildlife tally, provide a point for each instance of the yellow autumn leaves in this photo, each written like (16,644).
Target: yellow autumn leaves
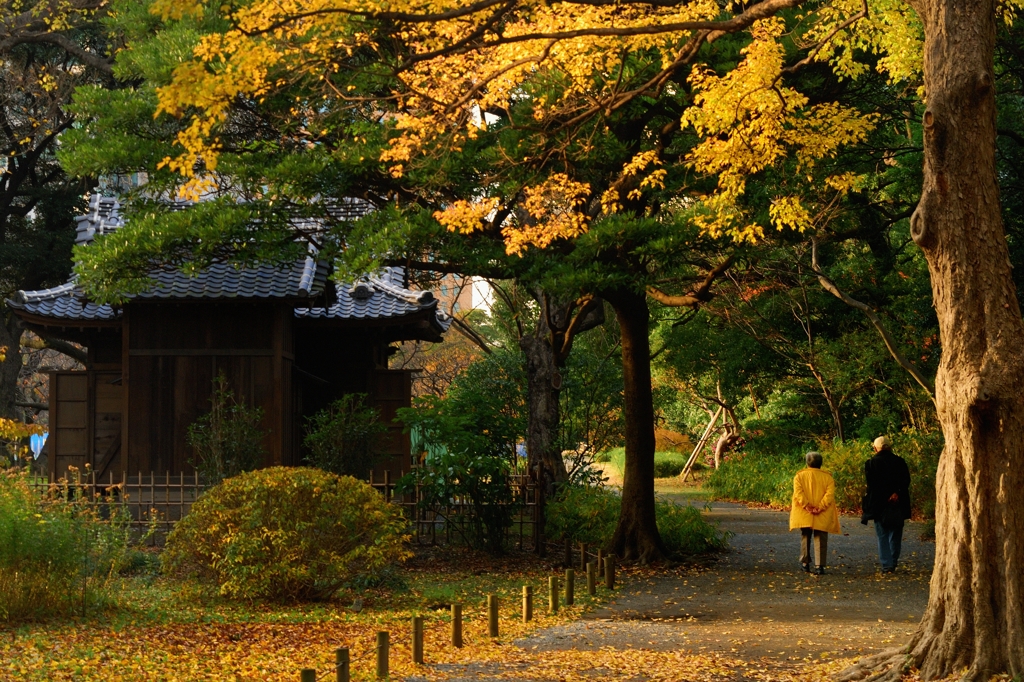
(747,120)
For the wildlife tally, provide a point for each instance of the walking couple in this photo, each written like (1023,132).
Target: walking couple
(887,503)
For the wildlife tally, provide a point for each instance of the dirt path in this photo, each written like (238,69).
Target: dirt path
(756,601)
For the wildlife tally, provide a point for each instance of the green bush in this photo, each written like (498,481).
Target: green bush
(341,439)
(685,532)
(57,553)
(286,534)
(583,514)
(590,514)
(228,440)
(758,476)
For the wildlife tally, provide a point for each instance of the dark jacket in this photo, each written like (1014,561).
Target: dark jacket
(886,473)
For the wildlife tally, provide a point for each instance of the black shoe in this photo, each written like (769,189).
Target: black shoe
(888,570)
(820,570)
(806,567)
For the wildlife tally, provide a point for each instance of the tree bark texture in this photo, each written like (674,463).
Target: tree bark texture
(975,614)
(636,537)
(10,336)
(544,383)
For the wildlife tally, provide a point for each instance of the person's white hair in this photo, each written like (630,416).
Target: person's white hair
(882,443)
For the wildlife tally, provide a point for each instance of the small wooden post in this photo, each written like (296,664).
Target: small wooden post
(417,640)
(307,675)
(609,572)
(570,587)
(600,563)
(457,626)
(527,603)
(341,665)
(553,594)
(383,646)
(492,615)
(583,556)
(592,578)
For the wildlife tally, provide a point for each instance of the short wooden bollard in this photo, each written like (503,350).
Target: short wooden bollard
(492,615)
(583,556)
(552,594)
(592,578)
(527,603)
(609,572)
(417,640)
(383,653)
(600,563)
(457,626)
(307,675)
(341,665)
(570,587)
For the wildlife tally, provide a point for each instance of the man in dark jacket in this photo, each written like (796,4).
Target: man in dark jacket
(887,501)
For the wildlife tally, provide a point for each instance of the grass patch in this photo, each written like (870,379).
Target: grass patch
(667,463)
(166,629)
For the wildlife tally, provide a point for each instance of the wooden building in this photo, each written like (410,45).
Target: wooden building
(289,341)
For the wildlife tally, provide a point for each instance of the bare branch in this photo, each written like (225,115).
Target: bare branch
(830,286)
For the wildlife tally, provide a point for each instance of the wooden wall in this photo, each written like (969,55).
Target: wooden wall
(85,422)
(172,354)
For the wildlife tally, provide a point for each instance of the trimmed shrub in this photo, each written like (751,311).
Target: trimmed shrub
(57,554)
(286,534)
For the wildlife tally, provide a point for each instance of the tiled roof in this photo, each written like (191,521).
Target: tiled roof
(377,297)
(381,296)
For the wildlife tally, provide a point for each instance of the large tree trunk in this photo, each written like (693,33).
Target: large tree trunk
(10,336)
(544,383)
(636,537)
(975,615)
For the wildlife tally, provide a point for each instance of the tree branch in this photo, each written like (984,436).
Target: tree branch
(471,334)
(694,298)
(830,286)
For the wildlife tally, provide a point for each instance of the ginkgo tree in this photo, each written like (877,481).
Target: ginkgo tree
(456,62)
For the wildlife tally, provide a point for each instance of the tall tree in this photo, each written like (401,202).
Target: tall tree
(47,49)
(746,119)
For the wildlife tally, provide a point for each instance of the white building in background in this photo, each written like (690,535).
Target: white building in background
(459,294)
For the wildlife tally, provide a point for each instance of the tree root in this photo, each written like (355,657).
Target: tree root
(887,666)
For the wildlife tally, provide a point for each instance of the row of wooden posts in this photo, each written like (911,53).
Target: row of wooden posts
(343,660)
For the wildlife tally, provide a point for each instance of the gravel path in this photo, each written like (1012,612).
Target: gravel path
(754,602)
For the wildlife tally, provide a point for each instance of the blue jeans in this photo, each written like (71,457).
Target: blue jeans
(890,540)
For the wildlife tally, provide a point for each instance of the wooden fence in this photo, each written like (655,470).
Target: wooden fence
(158,501)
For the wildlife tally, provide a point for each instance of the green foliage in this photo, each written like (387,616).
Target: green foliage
(57,553)
(590,513)
(342,438)
(286,534)
(471,436)
(229,439)
(685,532)
(758,474)
(583,514)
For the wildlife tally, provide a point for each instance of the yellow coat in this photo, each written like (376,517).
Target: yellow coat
(814,488)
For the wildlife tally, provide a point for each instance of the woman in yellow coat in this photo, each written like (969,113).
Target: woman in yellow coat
(814,512)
